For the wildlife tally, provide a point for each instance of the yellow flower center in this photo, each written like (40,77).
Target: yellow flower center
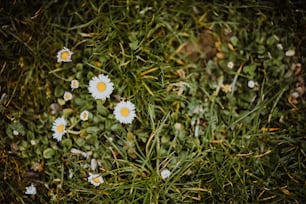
(67,96)
(84,115)
(101,86)
(96,180)
(75,84)
(124,111)
(60,128)
(65,55)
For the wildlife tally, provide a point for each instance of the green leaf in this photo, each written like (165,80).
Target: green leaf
(80,142)
(48,153)
(59,91)
(234,40)
(102,109)
(272,40)
(91,139)
(67,143)
(250,70)
(92,130)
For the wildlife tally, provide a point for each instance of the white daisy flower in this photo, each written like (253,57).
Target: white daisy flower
(59,128)
(295,94)
(15,132)
(251,84)
(84,115)
(64,55)
(67,96)
(125,112)
(95,179)
(74,84)
(230,65)
(100,87)
(165,173)
(290,53)
(31,190)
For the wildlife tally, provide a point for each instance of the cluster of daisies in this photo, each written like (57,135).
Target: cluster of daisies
(100,87)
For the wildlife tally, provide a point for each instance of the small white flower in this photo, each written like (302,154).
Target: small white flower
(165,173)
(64,55)
(178,126)
(31,190)
(295,94)
(95,179)
(251,84)
(74,84)
(100,87)
(125,112)
(84,115)
(67,96)
(279,46)
(59,128)
(290,53)
(230,65)
(15,132)
(33,142)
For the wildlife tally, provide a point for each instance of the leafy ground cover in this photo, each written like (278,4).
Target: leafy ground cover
(218,90)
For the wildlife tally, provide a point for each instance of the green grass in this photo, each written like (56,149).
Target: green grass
(170,58)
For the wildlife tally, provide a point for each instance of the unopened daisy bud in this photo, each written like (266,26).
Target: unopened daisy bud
(74,84)
(230,65)
(165,173)
(251,84)
(279,46)
(76,151)
(93,164)
(290,53)
(67,96)
(178,126)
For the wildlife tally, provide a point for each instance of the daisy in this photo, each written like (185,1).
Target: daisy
(230,65)
(64,55)
(95,179)
(74,84)
(84,115)
(251,84)
(165,174)
(290,53)
(15,132)
(67,96)
(125,112)
(59,128)
(31,190)
(100,87)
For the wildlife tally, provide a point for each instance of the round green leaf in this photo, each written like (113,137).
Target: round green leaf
(48,153)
